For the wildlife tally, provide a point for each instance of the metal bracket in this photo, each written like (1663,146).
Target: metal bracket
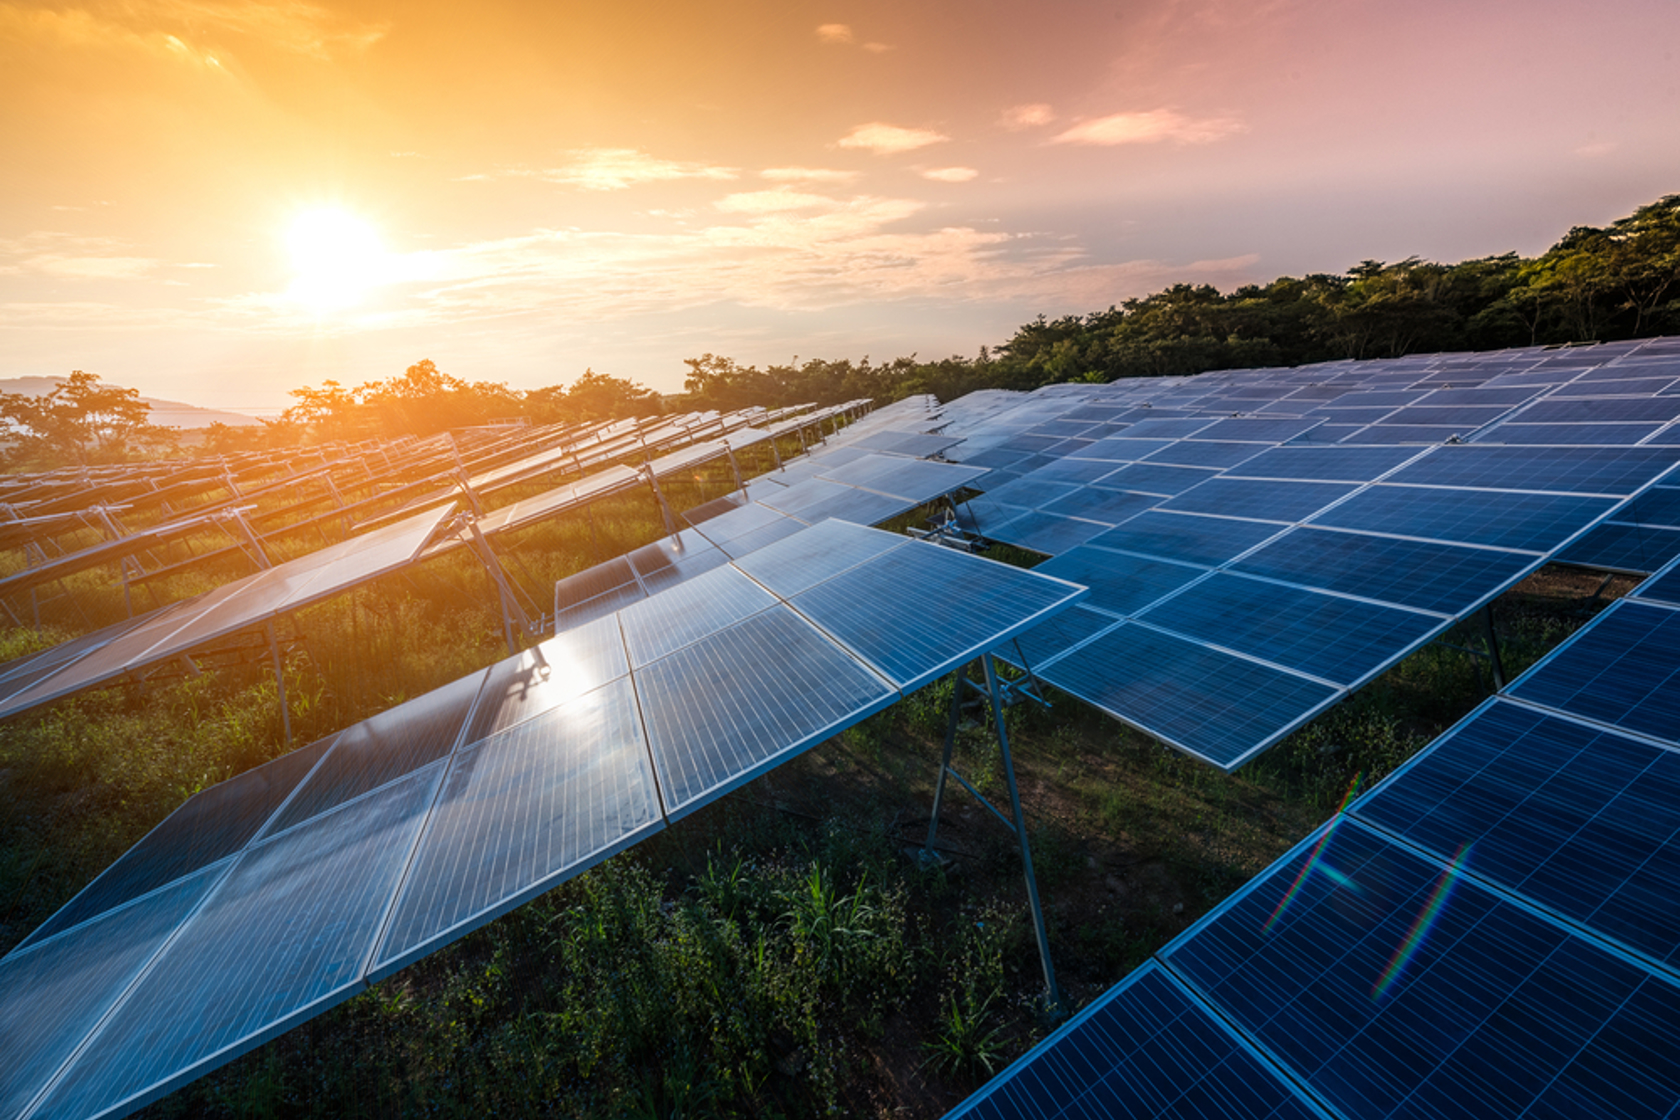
(1015,822)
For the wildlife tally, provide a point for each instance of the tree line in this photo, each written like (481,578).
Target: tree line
(1595,285)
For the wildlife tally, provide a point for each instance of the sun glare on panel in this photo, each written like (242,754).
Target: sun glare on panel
(336,258)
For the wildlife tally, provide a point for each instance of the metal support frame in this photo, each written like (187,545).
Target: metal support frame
(279,680)
(1016,822)
(258,554)
(513,615)
(1494,661)
(664,507)
(735,466)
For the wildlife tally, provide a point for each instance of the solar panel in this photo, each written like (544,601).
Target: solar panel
(1621,671)
(1502,519)
(1217,706)
(53,994)
(212,825)
(521,810)
(689,611)
(1569,470)
(883,613)
(1120,584)
(1188,537)
(1576,818)
(282,938)
(1325,636)
(1146,1048)
(1154,478)
(1326,464)
(1390,984)
(816,554)
(1620,547)
(722,710)
(1449,579)
(1261,500)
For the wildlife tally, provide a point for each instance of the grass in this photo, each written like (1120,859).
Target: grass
(774,954)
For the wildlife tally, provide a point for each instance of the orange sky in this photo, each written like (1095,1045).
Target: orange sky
(545,186)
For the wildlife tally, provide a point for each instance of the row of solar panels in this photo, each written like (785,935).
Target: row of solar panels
(271,897)
(1490,932)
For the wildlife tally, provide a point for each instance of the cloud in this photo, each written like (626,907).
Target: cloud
(1148,128)
(1035,115)
(179,28)
(950,174)
(615,169)
(835,33)
(807,175)
(72,257)
(886,139)
(877,48)
(772,201)
(1596,149)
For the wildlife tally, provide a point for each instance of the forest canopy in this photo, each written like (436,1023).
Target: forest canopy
(1594,285)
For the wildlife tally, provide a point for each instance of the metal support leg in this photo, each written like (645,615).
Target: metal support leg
(1493,648)
(958,680)
(664,507)
(1052,994)
(740,483)
(279,681)
(512,614)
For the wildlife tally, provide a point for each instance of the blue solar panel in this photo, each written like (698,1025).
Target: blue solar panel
(53,994)
(1464,418)
(1535,522)
(1123,450)
(820,552)
(1080,472)
(1392,985)
(1601,410)
(1574,470)
(1665,587)
(1258,431)
(1188,537)
(1584,821)
(884,614)
(1152,478)
(1145,1048)
(1260,499)
(723,710)
(1505,397)
(1446,578)
(1054,637)
(1617,546)
(1110,507)
(283,937)
(1419,434)
(1219,707)
(1168,427)
(1622,671)
(382,749)
(520,813)
(1579,435)
(689,611)
(1031,492)
(1326,636)
(528,684)
(1199,453)
(1122,585)
(1048,533)
(1328,464)
(212,825)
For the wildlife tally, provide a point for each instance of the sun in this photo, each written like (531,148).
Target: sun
(336,258)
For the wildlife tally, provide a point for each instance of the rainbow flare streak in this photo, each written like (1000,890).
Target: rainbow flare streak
(1422,924)
(1313,860)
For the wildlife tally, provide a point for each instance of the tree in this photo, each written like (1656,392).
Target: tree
(81,421)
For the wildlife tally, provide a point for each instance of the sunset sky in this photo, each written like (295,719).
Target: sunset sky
(221,201)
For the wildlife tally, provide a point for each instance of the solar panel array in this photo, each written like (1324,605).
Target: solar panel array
(268,898)
(1490,931)
(1260,543)
(847,483)
(130,646)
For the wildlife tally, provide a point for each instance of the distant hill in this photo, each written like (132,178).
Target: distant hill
(167,414)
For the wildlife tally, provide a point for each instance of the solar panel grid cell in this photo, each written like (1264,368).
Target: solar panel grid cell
(1622,671)
(1187,537)
(1580,820)
(1261,500)
(1502,519)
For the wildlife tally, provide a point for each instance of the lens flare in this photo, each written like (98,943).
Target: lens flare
(1421,925)
(1315,861)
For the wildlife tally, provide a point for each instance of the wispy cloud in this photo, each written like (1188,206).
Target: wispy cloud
(950,174)
(1148,128)
(887,139)
(807,175)
(841,35)
(72,257)
(615,169)
(773,201)
(192,30)
(1035,115)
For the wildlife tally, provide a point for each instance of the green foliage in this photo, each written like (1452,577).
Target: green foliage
(80,421)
